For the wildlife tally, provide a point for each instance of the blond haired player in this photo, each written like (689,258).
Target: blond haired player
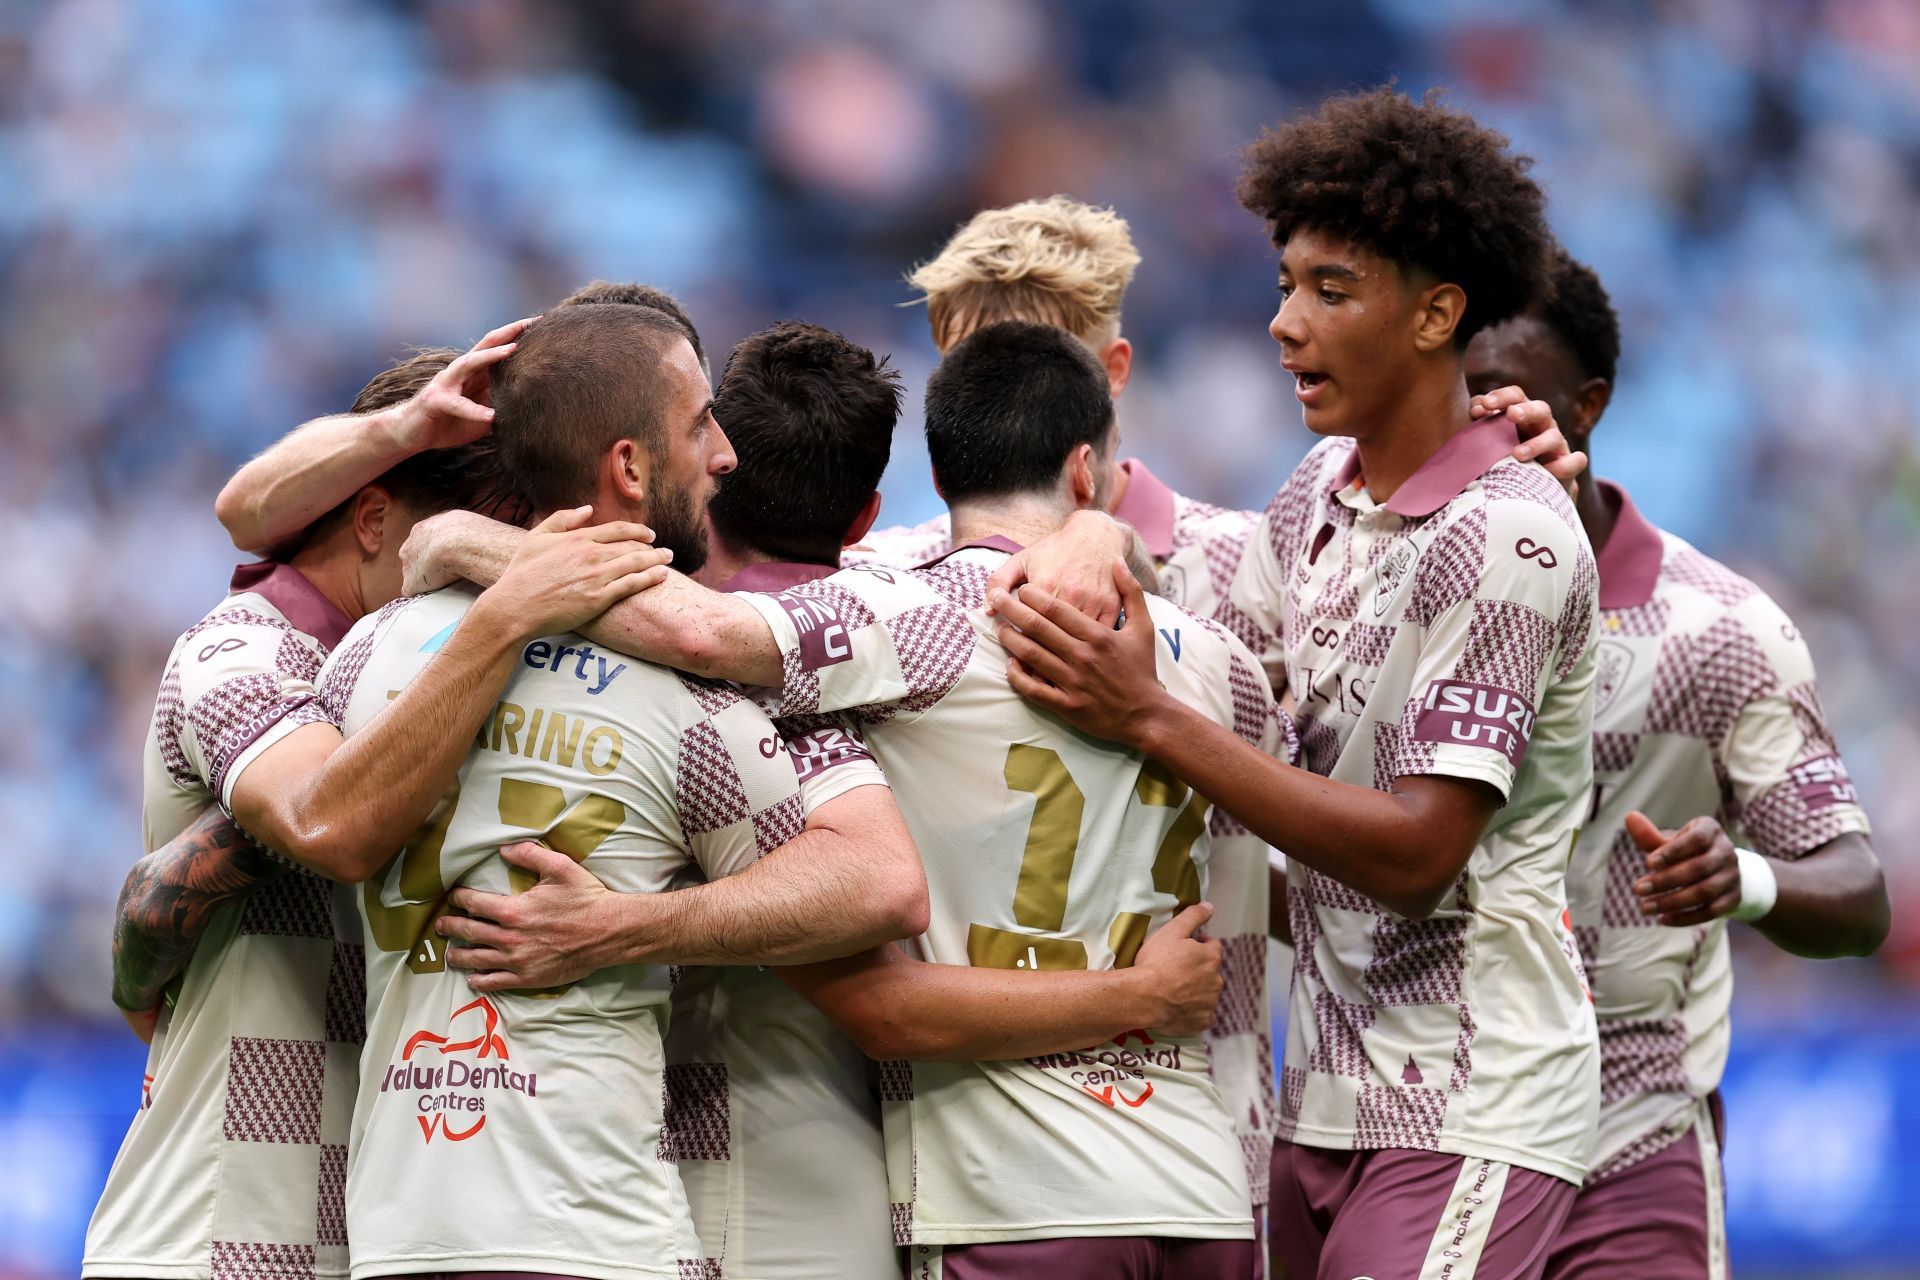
(236,1159)
(480,1115)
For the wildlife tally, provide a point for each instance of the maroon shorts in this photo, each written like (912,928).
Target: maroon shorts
(1660,1218)
(1409,1215)
(1086,1258)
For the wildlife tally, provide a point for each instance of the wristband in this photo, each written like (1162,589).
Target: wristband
(1759,889)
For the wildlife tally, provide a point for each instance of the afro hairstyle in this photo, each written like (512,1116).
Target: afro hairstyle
(1426,186)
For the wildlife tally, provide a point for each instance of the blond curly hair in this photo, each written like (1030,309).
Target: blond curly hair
(1054,261)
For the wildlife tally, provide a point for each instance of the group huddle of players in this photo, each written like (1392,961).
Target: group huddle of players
(778,896)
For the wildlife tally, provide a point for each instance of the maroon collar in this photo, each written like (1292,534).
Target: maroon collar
(776,575)
(298,600)
(992,542)
(1147,505)
(1629,563)
(1463,459)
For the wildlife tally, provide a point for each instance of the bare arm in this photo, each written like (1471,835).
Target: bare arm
(850,882)
(681,624)
(168,901)
(343,807)
(1403,848)
(1279,922)
(896,1007)
(1832,902)
(318,466)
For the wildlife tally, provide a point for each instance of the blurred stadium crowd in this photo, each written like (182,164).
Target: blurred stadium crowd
(220,218)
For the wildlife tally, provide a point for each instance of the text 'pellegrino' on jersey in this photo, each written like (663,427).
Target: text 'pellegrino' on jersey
(545,655)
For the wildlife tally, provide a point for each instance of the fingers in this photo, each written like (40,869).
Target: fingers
(1043,662)
(634,583)
(638,559)
(504,334)
(562,521)
(472,931)
(548,864)
(1133,601)
(1721,886)
(1036,690)
(477,958)
(1694,840)
(497,980)
(1006,580)
(1544,439)
(1015,609)
(620,531)
(1568,467)
(498,907)
(1188,922)
(1644,833)
(1720,908)
(1501,398)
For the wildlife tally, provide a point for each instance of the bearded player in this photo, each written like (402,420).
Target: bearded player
(1704,704)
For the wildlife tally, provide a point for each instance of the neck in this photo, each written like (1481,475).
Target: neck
(725,559)
(1429,415)
(1024,517)
(330,568)
(1597,515)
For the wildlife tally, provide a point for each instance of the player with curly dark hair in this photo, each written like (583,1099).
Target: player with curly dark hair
(1427,600)
(1734,702)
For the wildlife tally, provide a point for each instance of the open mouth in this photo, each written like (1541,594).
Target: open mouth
(1305,384)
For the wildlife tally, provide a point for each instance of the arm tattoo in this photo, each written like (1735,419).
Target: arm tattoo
(170,898)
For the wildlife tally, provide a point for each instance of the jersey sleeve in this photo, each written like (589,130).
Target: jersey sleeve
(735,788)
(872,643)
(830,758)
(1502,592)
(237,678)
(1790,792)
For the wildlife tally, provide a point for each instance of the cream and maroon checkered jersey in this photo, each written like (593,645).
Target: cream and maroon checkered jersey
(1446,632)
(1704,703)
(1043,849)
(524,1131)
(1196,547)
(770,1109)
(235,1163)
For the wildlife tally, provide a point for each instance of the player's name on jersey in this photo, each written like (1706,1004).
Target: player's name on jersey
(541,733)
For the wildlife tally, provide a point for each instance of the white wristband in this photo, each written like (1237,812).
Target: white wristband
(1758,887)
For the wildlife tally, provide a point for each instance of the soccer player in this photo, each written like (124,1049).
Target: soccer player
(236,1157)
(478,1115)
(1433,600)
(1704,704)
(1044,850)
(274,498)
(770,1114)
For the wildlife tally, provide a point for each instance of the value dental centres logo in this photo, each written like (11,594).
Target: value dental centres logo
(452,1076)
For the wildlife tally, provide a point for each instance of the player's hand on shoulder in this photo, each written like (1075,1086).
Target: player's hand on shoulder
(1541,439)
(1693,874)
(1099,678)
(1071,563)
(554,933)
(456,407)
(1182,966)
(569,571)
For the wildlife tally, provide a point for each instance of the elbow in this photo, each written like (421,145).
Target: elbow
(230,509)
(330,852)
(909,911)
(884,1040)
(1418,895)
(1874,919)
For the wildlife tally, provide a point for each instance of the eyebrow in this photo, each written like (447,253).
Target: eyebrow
(1324,271)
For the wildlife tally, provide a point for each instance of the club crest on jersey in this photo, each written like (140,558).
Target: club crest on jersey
(1612,663)
(1392,572)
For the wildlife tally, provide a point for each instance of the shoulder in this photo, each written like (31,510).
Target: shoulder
(1729,624)
(1211,669)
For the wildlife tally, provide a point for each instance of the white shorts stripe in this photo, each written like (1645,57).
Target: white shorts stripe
(1467,1222)
(1710,1173)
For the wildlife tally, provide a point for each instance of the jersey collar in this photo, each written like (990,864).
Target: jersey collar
(992,542)
(1464,458)
(1629,563)
(298,600)
(1147,505)
(776,575)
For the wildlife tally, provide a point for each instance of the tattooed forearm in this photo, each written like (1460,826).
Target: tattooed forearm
(169,899)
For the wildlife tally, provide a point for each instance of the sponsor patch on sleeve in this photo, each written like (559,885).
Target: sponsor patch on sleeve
(1823,783)
(1459,713)
(825,748)
(823,630)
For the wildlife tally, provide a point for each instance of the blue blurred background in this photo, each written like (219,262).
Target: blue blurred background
(218,218)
